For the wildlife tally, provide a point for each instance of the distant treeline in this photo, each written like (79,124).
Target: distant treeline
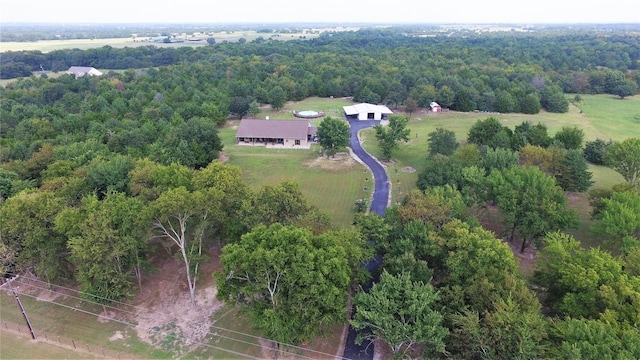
(506,72)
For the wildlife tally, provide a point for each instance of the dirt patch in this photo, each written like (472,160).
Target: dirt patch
(105,316)
(408,169)
(223,157)
(167,318)
(118,335)
(339,161)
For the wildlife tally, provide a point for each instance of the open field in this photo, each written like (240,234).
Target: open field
(226,36)
(333,184)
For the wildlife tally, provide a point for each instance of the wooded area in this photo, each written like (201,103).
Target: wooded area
(99,172)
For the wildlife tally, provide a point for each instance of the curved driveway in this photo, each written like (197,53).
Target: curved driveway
(381,190)
(379,203)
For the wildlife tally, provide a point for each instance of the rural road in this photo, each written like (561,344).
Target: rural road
(379,204)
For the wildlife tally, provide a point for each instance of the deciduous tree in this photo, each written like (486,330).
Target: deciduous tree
(333,134)
(442,141)
(388,136)
(624,157)
(401,313)
(530,202)
(292,284)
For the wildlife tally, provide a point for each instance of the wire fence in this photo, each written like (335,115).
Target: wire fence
(73,345)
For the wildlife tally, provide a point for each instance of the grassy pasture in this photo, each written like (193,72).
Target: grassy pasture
(620,121)
(332,185)
(226,36)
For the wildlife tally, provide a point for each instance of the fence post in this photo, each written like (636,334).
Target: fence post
(89,350)
(5,325)
(45,335)
(74,344)
(103,354)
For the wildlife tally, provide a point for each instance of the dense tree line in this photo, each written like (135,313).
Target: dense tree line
(504,73)
(96,173)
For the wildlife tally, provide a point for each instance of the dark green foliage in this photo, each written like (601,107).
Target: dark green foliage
(530,201)
(277,97)
(333,135)
(595,151)
(389,136)
(491,133)
(570,137)
(500,158)
(592,340)
(110,175)
(292,283)
(552,99)
(400,312)
(194,144)
(441,170)
(530,104)
(574,174)
(595,288)
(624,157)
(442,141)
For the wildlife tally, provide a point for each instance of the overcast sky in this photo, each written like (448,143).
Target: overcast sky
(352,11)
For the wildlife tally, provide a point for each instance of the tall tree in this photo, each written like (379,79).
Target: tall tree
(530,202)
(388,136)
(180,217)
(106,243)
(624,157)
(27,226)
(442,141)
(401,313)
(584,283)
(292,283)
(333,134)
(277,97)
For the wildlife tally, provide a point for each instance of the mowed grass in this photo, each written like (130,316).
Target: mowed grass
(617,122)
(16,346)
(74,320)
(332,189)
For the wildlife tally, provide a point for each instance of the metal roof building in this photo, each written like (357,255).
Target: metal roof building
(365,111)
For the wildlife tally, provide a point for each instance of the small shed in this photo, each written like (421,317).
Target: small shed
(435,107)
(365,111)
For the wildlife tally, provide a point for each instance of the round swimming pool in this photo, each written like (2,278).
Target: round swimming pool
(309,113)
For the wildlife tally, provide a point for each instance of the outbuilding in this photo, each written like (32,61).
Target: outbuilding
(435,107)
(365,111)
(80,71)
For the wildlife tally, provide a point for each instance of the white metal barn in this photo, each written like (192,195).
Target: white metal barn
(366,111)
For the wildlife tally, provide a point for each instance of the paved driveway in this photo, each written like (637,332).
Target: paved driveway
(378,205)
(381,190)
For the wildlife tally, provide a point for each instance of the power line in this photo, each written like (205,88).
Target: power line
(136,326)
(142,309)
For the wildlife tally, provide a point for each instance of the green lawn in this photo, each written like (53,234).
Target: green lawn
(334,189)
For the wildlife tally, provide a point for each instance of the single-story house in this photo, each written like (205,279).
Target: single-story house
(80,71)
(366,111)
(276,133)
(435,107)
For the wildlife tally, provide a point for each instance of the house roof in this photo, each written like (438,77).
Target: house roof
(366,108)
(83,70)
(286,129)
(434,104)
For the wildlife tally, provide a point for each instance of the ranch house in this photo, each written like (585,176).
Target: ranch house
(293,134)
(80,71)
(366,111)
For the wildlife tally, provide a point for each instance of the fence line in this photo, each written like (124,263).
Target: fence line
(94,350)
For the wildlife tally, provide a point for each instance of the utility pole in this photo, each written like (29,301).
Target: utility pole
(24,313)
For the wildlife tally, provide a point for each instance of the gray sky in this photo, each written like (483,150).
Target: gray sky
(390,11)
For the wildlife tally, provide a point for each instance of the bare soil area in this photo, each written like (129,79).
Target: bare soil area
(168,312)
(339,161)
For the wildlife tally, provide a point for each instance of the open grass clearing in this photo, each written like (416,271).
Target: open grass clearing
(20,346)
